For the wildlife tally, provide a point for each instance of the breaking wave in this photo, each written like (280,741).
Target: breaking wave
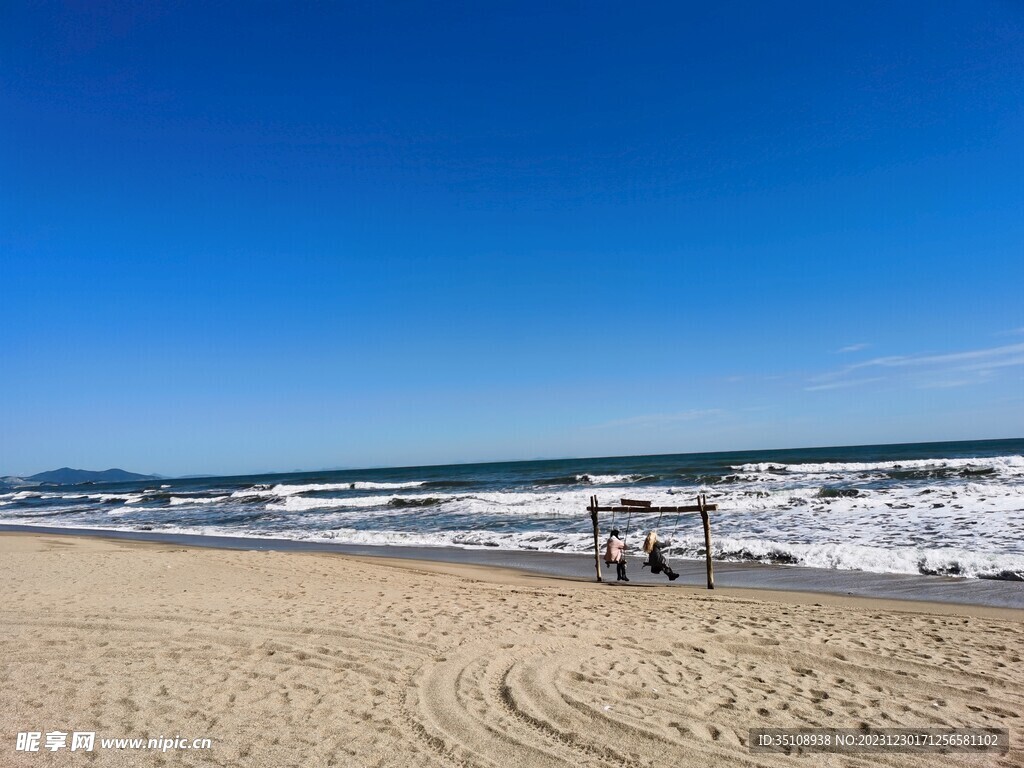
(1007,465)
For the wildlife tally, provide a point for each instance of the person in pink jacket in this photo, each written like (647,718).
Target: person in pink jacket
(614,552)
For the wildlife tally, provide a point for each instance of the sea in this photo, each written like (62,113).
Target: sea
(949,509)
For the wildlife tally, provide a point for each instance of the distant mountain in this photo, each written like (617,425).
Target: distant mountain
(68,476)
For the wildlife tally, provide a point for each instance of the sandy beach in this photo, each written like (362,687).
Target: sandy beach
(289,658)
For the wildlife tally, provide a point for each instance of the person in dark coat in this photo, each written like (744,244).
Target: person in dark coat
(656,558)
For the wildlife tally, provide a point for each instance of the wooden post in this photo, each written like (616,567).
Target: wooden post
(597,542)
(707,537)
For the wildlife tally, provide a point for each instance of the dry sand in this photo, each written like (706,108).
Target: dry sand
(295,659)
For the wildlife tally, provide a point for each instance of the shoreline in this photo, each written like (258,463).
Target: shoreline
(751,580)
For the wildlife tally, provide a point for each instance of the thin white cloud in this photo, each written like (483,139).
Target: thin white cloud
(852,348)
(951,384)
(994,354)
(991,355)
(991,365)
(845,384)
(980,360)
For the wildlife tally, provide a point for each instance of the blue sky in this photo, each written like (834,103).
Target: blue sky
(270,236)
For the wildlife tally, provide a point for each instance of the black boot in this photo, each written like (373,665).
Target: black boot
(672,575)
(621,570)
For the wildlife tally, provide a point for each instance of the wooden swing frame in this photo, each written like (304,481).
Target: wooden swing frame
(633,505)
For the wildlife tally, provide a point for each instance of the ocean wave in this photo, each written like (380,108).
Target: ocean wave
(849,506)
(33,514)
(403,502)
(20,495)
(120,511)
(833,556)
(448,484)
(176,501)
(483,505)
(589,479)
(476,539)
(1010,465)
(944,561)
(560,480)
(614,479)
(293,490)
(941,473)
(306,503)
(289,490)
(764,466)
(922,560)
(111,498)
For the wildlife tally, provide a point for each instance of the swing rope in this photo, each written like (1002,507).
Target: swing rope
(629,520)
(672,539)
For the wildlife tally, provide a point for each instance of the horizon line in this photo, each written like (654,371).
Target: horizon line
(201,476)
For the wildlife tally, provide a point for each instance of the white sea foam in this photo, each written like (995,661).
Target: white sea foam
(524,502)
(59,496)
(608,479)
(288,490)
(176,501)
(479,539)
(954,561)
(126,497)
(859,557)
(905,560)
(765,466)
(303,503)
(1009,465)
(954,512)
(281,490)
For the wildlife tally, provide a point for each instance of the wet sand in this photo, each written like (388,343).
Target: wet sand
(316,658)
(759,576)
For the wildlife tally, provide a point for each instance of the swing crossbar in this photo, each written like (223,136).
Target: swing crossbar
(659,510)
